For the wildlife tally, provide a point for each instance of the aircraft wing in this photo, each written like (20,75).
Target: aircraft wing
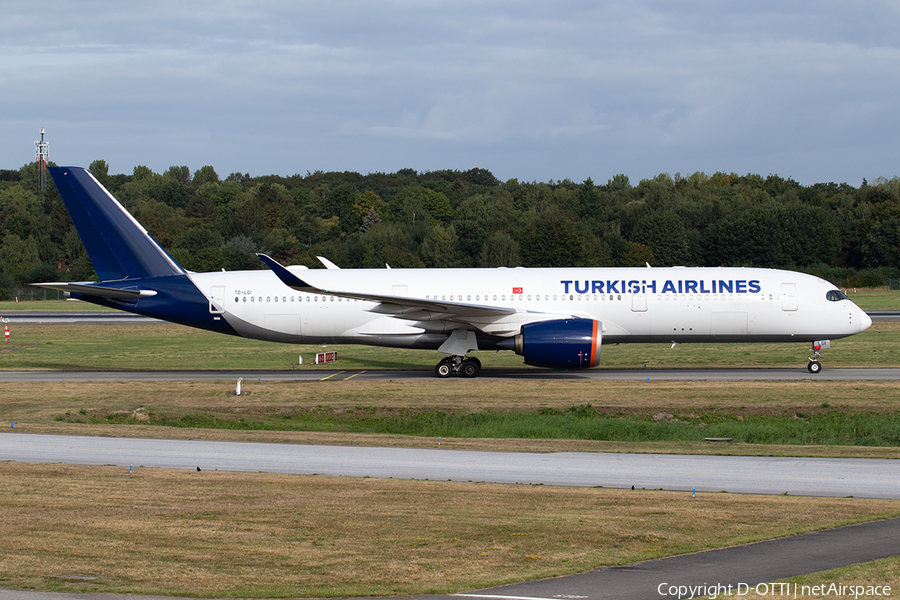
(402,307)
(97,290)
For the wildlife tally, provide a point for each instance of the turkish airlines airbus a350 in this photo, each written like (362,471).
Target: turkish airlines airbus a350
(555,318)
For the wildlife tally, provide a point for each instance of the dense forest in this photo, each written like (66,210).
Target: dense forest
(451,218)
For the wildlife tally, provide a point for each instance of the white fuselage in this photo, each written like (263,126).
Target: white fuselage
(632,304)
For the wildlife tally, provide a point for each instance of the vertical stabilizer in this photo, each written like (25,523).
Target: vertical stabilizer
(118,246)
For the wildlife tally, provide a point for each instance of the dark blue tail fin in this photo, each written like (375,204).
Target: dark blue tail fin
(119,248)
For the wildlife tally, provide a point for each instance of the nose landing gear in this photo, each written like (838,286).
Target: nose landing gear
(458,365)
(814,365)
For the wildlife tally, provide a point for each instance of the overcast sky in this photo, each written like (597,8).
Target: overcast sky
(533,90)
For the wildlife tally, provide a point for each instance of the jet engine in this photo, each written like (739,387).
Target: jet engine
(560,344)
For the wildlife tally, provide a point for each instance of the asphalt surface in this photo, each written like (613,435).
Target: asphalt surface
(860,478)
(884,315)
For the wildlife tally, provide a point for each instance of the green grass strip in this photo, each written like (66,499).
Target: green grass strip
(582,422)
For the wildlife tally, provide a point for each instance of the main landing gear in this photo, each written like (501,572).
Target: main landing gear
(814,365)
(458,365)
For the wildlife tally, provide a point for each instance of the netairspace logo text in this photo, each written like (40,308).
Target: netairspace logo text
(774,590)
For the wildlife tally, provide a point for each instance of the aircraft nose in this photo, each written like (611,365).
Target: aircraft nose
(865,321)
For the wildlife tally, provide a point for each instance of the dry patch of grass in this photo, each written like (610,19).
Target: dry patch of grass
(214,534)
(44,400)
(818,586)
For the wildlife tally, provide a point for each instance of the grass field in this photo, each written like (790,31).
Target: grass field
(211,534)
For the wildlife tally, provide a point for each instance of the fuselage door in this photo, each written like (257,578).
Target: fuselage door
(788,296)
(639,302)
(217,299)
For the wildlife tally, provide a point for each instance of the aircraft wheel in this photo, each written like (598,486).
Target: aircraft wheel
(443,369)
(814,366)
(470,367)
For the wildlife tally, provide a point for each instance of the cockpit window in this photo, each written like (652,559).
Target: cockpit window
(836,296)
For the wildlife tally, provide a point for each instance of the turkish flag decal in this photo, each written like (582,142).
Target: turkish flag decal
(517,290)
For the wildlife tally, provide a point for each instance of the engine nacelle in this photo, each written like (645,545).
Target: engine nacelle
(561,344)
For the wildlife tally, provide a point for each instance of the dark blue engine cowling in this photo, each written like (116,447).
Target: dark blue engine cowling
(561,344)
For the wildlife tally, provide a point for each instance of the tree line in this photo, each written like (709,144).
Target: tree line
(451,218)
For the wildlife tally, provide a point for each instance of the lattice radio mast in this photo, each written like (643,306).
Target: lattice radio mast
(41,156)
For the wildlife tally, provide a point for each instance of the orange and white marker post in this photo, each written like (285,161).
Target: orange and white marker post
(6,331)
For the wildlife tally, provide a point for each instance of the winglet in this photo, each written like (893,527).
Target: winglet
(288,278)
(328,264)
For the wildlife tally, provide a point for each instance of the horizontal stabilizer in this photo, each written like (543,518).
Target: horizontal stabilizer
(97,290)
